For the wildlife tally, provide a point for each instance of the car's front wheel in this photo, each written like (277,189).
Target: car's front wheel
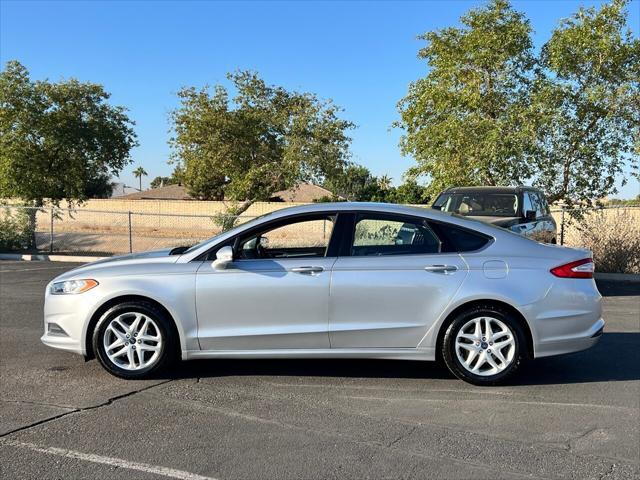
(133,340)
(484,346)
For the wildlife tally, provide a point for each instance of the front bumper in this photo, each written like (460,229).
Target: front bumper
(63,343)
(573,343)
(65,321)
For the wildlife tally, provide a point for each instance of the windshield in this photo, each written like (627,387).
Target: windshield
(479,204)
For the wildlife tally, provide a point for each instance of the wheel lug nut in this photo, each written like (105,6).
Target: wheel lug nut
(134,347)
(490,343)
(139,341)
(484,338)
(488,351)
(135,334)
(127,335)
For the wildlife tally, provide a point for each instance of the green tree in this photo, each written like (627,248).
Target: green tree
(139,173)
(466,122)
(587,98)
(56,138)
(263,140)
(160,181)
(410,192)
(174,179)
(354,183)
(100,186)
(492,112)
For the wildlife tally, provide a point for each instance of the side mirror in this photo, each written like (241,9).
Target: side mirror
(437,207)
(530,215)
(223,257)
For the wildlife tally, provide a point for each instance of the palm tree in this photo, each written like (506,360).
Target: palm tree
(384,182)
(138,173)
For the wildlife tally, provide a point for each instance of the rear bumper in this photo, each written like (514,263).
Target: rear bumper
(574,343)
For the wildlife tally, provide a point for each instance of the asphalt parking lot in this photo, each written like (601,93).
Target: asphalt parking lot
(576,416)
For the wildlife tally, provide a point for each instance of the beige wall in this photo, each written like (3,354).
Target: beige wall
(166,218)
(179,207)
(171,216)
(572,236)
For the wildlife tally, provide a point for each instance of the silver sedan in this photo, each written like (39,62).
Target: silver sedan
(345,280)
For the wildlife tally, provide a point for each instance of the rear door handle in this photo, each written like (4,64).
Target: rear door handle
(441,268)
(307,270)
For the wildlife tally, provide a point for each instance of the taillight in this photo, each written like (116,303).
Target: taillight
(579,269)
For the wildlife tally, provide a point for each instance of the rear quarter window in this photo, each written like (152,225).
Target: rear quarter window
(456,239)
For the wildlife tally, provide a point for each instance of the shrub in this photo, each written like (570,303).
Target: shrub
(15,229)
(614,238)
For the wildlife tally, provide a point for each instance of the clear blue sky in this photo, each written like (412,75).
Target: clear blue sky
(360,54)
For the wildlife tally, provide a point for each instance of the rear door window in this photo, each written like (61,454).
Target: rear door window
(377,235)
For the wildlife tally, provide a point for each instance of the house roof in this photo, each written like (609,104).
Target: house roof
(167,192)
(301,193)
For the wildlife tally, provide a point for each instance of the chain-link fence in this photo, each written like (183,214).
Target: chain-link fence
(102,232)
(571,229)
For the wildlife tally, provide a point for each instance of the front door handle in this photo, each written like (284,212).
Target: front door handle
(441,268)
(307,270)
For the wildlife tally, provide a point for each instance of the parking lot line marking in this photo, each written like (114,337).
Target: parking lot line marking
(111,461)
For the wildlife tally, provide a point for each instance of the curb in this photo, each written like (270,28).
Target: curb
(618,277)
(38,257)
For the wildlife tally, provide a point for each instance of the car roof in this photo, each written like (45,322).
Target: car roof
(358,206)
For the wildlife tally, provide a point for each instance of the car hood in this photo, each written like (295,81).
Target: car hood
(142,259)
(132,256)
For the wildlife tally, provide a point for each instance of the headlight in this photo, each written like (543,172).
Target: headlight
(72,287)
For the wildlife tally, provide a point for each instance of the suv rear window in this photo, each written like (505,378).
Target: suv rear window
(482,204)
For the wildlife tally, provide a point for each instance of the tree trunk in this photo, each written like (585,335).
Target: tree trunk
(32,213)
(228,219)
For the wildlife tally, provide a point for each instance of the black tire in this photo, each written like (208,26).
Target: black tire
(169,346)
(448,347)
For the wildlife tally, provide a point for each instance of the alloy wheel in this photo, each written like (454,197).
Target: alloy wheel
(485,346)
(132,341)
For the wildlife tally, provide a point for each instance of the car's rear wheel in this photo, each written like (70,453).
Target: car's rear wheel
(134,340)
(484,346)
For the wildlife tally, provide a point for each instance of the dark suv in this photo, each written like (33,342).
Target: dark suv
(521,209)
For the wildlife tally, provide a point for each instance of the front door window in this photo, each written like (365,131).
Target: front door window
(298,239)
